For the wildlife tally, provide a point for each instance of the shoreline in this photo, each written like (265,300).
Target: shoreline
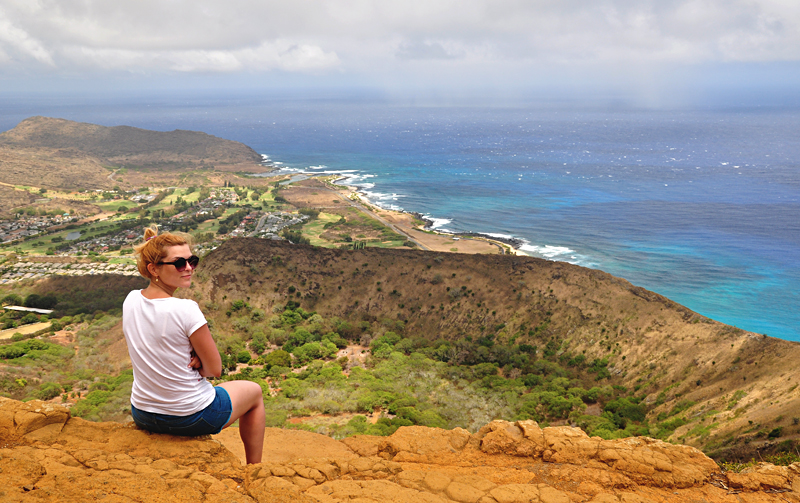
(451,242)
(505,246)
(509,244)
(513,242)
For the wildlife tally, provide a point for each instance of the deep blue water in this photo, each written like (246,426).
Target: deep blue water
(702,206)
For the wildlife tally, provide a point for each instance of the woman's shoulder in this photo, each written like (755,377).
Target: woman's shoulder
(188,311)
(185,303)
(133,296)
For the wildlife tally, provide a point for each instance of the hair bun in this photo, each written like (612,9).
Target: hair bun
(150,232)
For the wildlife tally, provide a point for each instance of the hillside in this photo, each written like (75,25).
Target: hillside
(58,153)
(49,456)
(712,385)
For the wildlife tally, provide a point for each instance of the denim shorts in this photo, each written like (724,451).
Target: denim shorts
(208,421)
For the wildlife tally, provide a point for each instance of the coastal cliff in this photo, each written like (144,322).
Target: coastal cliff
(47,455)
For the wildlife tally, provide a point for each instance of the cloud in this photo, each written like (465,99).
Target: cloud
(424,50)
(17,41)
(389,41)
(280,55)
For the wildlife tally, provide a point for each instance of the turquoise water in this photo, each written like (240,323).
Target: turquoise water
(702,206)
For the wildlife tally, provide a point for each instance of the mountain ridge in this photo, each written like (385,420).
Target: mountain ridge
(59,153)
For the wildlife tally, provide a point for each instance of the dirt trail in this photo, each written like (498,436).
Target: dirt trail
(24,330)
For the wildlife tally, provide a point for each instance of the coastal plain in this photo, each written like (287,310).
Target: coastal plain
(326,195)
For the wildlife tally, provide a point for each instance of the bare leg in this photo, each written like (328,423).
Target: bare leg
(248,408)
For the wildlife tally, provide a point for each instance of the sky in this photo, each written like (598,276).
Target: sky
(653,50)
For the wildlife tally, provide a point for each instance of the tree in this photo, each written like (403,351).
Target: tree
(11,299)
(243,356)
(311,213)
(278,358)
(48,301)
(48,391)
(295,237)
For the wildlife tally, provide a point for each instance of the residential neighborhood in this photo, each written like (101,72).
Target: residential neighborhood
(211,219)
(33,270)
(28,226)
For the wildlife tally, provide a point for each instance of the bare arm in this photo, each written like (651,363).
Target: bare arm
(206,351)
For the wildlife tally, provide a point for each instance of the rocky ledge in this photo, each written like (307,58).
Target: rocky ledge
(46,455)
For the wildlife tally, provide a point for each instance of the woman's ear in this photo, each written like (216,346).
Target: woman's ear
(151,268)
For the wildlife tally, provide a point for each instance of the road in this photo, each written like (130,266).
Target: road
(259,225)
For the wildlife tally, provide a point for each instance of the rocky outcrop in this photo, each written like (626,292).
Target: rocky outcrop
(48,456)
(639,460)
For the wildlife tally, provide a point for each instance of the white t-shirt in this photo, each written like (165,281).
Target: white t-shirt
(157,332)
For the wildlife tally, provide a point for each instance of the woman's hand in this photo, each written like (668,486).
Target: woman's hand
(210,363)
(194,361)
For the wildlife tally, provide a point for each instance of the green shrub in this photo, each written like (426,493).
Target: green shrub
(426,418)
(12,351)
(532,380)
(484,369)
(277,358)
(404,401)
(776,432)
(370,400)
(259,342)
(34,300)
(681,406)
(314,351)
(11,299)
(294,388)
(666,428)
(48,391)
(33,349)
(627,409)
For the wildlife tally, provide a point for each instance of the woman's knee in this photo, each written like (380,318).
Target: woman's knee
(244,391)
(254,391)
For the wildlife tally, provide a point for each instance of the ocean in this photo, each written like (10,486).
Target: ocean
(701,205)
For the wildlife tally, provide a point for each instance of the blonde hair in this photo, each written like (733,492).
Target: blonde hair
(154,248)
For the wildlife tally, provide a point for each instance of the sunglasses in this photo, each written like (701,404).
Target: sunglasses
(180,262)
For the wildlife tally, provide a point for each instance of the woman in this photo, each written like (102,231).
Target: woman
(172,352)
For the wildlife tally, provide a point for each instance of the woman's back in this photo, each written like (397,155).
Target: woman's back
(157,333)
(172,352)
